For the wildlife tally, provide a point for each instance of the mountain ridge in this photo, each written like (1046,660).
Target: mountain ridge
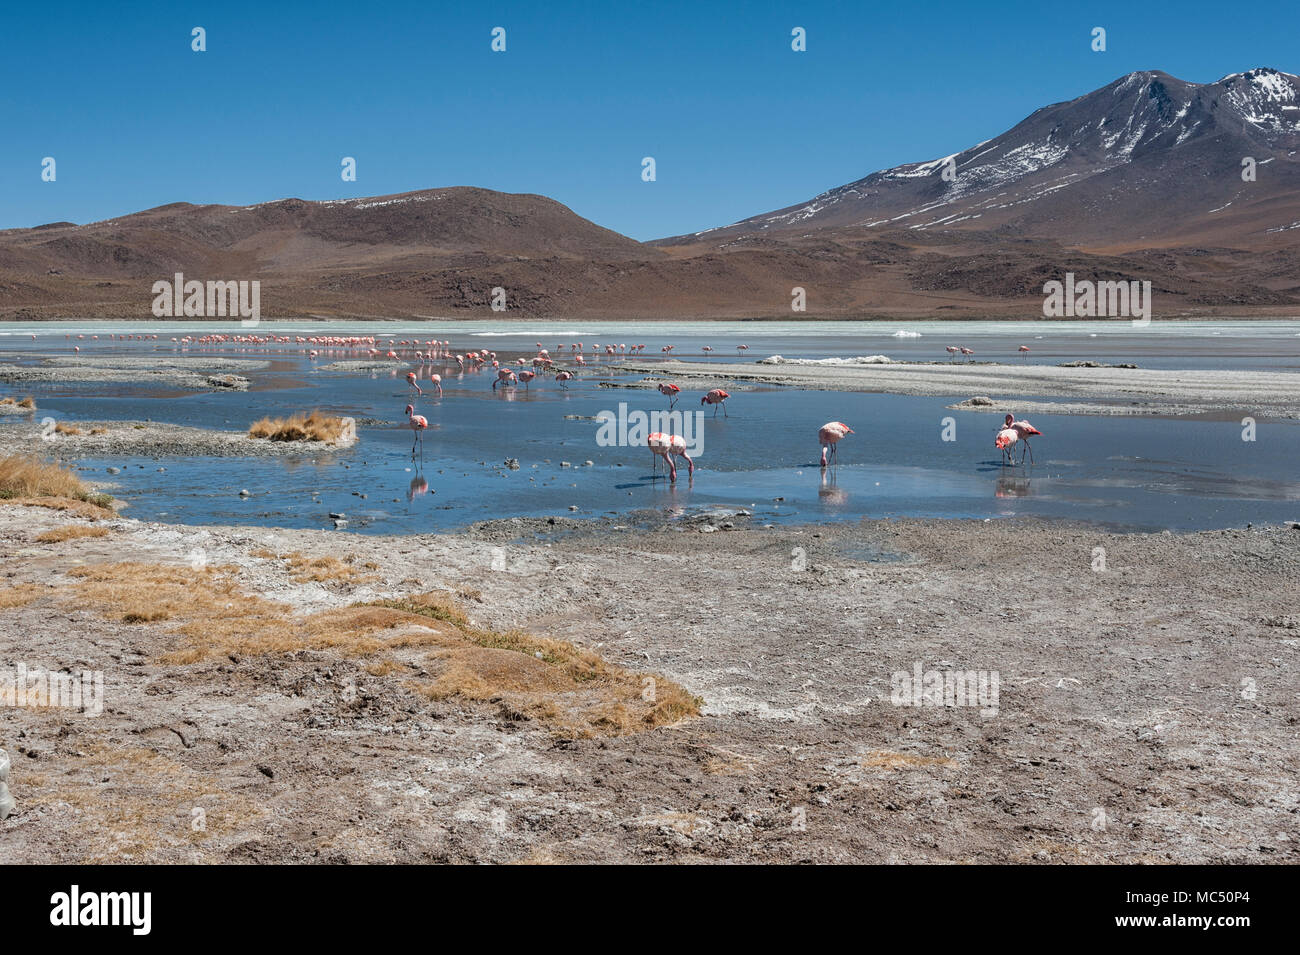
(1139,180)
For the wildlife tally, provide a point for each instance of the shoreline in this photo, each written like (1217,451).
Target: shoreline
(1119,689)
(1150,391)
(1267,315)
(156,439)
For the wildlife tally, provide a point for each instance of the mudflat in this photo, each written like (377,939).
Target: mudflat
(1100,390)
(1146,707)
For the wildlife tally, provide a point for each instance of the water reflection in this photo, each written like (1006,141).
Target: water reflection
(830,492)
(1012,485)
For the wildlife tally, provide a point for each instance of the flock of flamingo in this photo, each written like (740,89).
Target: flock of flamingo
(969,353)
(669,447)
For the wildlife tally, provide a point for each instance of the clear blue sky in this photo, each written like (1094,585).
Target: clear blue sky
(737,122)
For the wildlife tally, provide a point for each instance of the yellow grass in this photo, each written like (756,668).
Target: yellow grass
(27,404)
(62,428)
(320,569)
(888,759)
(525,677)
(298,427)
(70,532)
(19,595)
(29,479)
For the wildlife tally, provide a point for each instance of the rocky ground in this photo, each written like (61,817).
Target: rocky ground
(1147,709)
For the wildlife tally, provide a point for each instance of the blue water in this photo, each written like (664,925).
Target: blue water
(1132,472)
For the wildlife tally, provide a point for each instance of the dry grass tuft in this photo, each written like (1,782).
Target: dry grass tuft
(299,427)
(525,677)
(888,759)
(28,479)
(322,569)
(19,595)
(70,532)
(62,428)
(27,404)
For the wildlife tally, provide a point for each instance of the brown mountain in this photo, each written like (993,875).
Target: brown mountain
(1141,179)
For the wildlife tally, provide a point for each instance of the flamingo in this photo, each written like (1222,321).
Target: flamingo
(564,377)
(1024,351)
(716,397)
(829,434)
(952,351)
(526,377)
(968,352)
(1023,430)
(504,377)
(666,446)
(677,449)
(418,423)
(436,380)
(1005,441)
(670,391)
(740,349)
(410,380)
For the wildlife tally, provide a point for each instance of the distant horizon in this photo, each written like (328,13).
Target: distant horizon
(738,122)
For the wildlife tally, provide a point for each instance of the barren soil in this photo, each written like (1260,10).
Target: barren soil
(1147,711)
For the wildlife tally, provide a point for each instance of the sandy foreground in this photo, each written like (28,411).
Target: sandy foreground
(1149,697)
(1104,390)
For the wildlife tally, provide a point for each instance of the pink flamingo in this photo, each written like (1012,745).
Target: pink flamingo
(1024,351)
(436,380)
(968,352)
(829,435)
(564,377)
(677,449)
(740,349)
(410,380)
(670,391)
(418,423)
(1023,430)
(716,397)
(952,351)
(526,377)
(667,446)
(504,377)
(1005,441)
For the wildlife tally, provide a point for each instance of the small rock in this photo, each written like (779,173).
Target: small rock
(512,464)
(589,464)
(114,470)
(565,464)
(573,507)
(245,492)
